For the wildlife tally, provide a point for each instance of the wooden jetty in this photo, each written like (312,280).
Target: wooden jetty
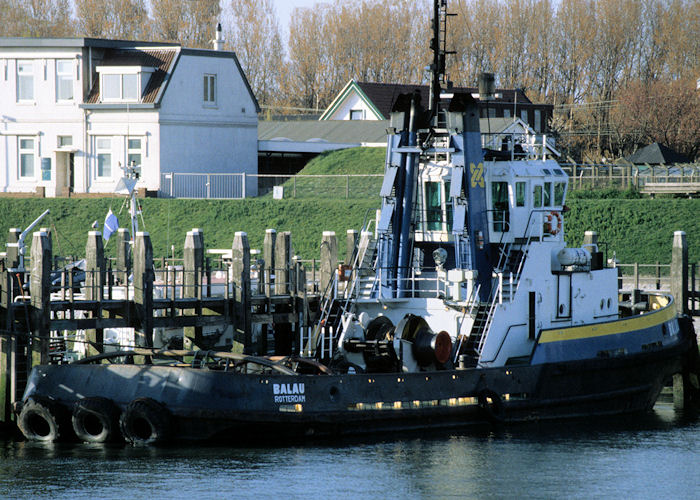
(271,298)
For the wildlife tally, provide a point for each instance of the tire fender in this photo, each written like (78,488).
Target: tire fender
(95,420)
(41,419)
(145,421)
(491,405)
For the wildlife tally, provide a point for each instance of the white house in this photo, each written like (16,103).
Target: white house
(74,110)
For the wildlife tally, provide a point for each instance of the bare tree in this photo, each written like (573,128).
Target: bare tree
(127,19)
(46,18)
(191,23)
(254,35)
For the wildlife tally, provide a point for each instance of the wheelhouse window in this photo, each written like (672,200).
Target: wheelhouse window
(520,194)
(433,206)
(537,196)
(499,206)
(210,90)
(25,80)
(64,80)
(547,194)
(559,191)
(27,156)
(103,146)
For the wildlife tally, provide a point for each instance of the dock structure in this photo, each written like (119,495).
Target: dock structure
(266,306)
(44,306)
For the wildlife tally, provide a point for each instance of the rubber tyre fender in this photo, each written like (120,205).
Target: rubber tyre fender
(491,405)
(95,420)
(145,421)
(40,420)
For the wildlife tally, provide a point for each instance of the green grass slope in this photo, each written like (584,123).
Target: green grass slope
(637,230)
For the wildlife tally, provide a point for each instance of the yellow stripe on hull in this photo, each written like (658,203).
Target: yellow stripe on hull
(625,325)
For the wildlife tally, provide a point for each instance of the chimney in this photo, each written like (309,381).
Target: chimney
(219,40)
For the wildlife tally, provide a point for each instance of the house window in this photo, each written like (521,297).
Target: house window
(519,194)
(104,156)
(65,141)
(25,81)
(492,112)
(210,89)
(357,114)
(538,120)
(506,113)
(64,80)
(523,115)
(27,155)
(120,87)
(134,154)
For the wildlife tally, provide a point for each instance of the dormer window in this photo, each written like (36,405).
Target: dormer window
(123,83)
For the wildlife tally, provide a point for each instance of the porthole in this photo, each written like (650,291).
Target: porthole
(602,304)
(609,303)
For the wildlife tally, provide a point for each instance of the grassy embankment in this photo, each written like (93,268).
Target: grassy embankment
(638,230)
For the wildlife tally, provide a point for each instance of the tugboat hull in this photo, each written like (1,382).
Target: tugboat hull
(202,404)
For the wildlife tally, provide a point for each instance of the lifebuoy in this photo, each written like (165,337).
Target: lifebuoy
(552,223)
(40,420)
(145,421)
(491,405)
(95,420)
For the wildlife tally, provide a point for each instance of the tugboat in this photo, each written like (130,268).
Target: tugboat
(463,306)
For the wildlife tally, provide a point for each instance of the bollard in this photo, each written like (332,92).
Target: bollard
(40,291)
(240,270)
(94,287)
(268,272)
(143,289)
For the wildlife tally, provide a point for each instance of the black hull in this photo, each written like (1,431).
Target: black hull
(215,405)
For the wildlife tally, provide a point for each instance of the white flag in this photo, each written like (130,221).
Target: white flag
(111,225)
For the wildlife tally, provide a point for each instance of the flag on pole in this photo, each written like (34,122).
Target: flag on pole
(111,225)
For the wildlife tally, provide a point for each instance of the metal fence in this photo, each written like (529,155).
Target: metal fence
(357,186)
(589,175)
(207,186)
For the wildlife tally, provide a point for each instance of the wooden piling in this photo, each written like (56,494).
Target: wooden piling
(95,273)
(8,343)
(123,266)
(192,282)
(240,269)
(40,291)
(329,258)
(351,243)
(283,262)
(679,271)
(143,289)
(269,257)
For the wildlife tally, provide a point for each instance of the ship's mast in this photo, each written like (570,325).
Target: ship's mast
(438,45)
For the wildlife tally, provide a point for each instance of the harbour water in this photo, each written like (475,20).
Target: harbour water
(647,456)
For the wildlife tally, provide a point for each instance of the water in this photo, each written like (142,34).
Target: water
(649,456)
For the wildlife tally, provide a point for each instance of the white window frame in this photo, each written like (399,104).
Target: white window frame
(141,73)
(23,74)
(65,76)
(99,151)
(135,151)
(360,111)
(61,141)
(209,90)
(24,152)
